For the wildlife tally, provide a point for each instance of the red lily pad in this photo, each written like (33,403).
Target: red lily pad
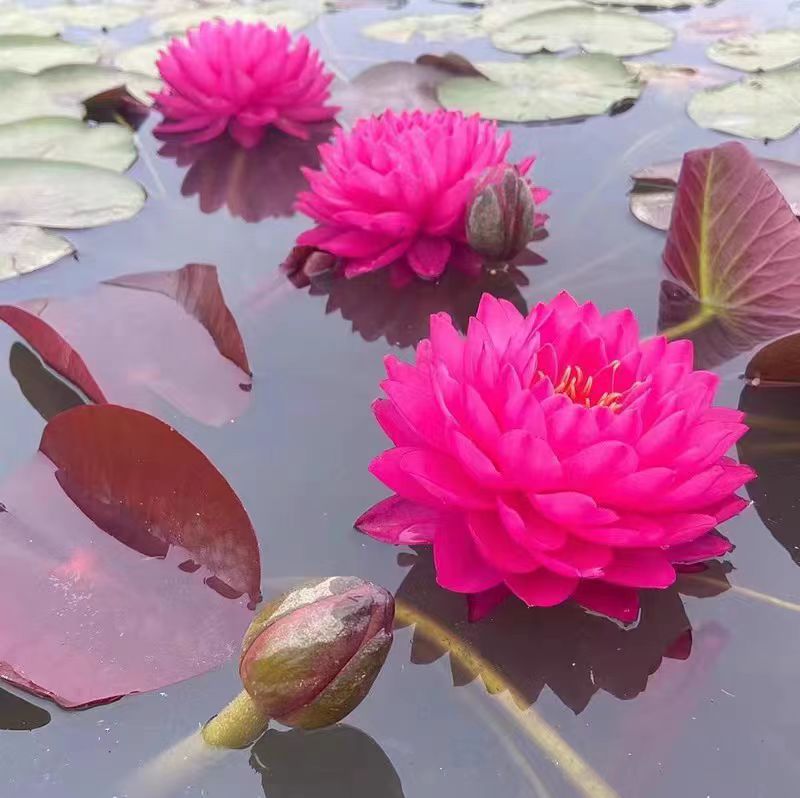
(142,338)
(733,250)
(128,564)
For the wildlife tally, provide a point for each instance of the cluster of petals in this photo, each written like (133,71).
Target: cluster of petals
(241,78)
(555,456)
(394,191)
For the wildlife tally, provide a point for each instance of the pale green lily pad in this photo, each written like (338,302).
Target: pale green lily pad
(94,15)
(756,52)
(292,15)
(433,28)
(26,22)
(595,30)
(763,106)
(73,83)
(141,58)
(500,15)
(25,96)
(654,4)
(57,138)
(543,88)
(34,53)
(65,195)
(25,249)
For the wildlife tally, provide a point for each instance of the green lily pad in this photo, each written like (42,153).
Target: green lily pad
(290,14)
(73,83)
(65,195)
(500,15)
(23,21)
(543,88)
(57,138)
(141,58)
(25,96)
(95,15)
(763,106)
(24,249)
(654,4)
(756,52)
(594,30)
(34,53)
(433,28)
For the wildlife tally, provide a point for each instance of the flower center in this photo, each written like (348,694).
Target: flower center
(578,387)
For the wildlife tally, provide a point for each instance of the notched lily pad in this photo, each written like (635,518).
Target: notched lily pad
(56,138)
(73,83)
(594,30)
(34,53)
(543,88)
(765,106)
(432,28)
(129,562)
(25,96)
(65,195)
(24,249)
(757,52)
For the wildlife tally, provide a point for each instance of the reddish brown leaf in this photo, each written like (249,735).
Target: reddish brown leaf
(777,363)
(98,530)
(166,335)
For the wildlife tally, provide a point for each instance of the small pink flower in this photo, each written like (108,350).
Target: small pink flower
(555,456)
(396,189)
(241,78)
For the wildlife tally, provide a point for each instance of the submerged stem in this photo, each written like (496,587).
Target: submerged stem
(239,725)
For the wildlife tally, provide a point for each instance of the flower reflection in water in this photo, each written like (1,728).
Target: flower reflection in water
(574,653)
(339,762)
(254,184)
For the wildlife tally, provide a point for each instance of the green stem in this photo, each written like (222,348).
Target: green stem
(239,725)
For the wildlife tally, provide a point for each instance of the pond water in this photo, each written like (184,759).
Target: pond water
(698,701)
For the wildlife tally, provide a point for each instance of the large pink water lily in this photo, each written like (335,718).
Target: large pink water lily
(556,456)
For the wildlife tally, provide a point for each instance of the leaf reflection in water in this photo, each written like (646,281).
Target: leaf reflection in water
(254,184)
(338,762)
(17,714)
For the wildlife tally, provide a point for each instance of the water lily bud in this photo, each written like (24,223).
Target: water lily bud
(308,659)
(500,217)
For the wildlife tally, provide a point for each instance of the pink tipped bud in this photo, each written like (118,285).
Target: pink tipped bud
(500,217)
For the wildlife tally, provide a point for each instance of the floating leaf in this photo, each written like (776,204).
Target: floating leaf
(141,58)
(654,4)
(24,249)
(26,96)
(771,446)
(291,15)
(166,336)
(34,53)
(501,15)
(397,85)
(433,28)
(594,30)
(734,247)
(778,363)
(26,22)
(544,88)
(759,107)
(73,83)
(65,195)
(653,192)
(58,138)
(94,15)
(125,554)
(756,52)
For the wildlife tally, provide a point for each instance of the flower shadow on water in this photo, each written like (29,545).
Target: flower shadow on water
(253,184)
(574,653)
(338,762)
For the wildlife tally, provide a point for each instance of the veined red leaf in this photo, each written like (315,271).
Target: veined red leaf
(128,561)
(140,338)
(734,248)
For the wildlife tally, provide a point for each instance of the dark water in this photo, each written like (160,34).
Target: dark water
(700,701)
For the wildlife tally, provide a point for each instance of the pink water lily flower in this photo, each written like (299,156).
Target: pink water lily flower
(556,456)
(395,191)
(241,78)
